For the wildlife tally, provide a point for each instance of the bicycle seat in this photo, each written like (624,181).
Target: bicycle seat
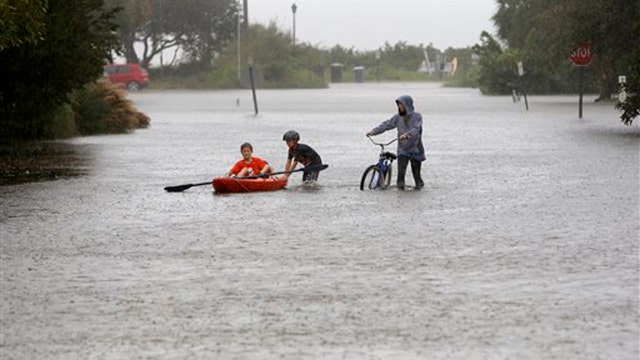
(389,155)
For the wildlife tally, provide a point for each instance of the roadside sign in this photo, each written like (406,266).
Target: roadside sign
(581,55)
(622,96)
(520,68)
(516,94)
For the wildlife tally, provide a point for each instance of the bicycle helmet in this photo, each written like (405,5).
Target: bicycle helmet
(291,135)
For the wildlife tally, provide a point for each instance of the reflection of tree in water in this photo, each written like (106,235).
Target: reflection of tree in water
(41,161)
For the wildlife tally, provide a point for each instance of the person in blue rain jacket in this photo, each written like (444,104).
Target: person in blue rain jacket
(408,122)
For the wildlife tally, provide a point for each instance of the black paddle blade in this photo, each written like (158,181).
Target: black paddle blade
(178,188)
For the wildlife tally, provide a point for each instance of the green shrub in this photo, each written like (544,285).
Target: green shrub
(62,125)
(102,108)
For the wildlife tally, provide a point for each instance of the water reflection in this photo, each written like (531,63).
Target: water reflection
(42,161)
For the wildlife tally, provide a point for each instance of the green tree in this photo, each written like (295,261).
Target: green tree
(134,14)
(403,56)
(339,54)
(198,29)
(280,63)
(514,20)
(606,23)
(498,75)
(546,31)
(22,22)
(36,77)
(630,107)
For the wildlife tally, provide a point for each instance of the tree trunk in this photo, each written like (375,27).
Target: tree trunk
(129,52)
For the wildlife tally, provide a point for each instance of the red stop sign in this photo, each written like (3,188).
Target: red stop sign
(581,55)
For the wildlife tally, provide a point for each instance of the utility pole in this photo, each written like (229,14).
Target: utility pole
(238,38)
(294,8)
(245,23)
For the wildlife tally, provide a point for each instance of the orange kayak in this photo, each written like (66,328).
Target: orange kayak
(225,185)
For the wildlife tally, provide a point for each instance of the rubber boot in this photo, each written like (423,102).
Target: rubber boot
(415,169)
(403,161)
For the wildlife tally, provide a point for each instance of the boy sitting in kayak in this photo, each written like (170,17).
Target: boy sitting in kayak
(249,165)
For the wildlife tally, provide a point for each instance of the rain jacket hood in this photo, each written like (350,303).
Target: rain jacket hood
(407,101)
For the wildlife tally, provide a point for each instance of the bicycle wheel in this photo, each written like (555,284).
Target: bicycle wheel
(370,178)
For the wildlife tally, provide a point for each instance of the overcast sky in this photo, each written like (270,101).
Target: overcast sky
(368,24)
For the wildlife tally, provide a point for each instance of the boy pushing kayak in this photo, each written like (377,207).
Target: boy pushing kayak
(301,153)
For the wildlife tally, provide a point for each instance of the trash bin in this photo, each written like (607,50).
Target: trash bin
(358,73)
(336,72)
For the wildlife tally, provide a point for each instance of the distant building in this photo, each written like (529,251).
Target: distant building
(445,67)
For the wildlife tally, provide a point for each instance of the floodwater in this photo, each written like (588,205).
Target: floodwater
(522,245)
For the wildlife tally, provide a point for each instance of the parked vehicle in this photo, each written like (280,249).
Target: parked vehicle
(132,76)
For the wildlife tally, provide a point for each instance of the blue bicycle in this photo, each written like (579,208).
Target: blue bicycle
(378,176)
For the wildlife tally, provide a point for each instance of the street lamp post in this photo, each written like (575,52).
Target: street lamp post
(294,8)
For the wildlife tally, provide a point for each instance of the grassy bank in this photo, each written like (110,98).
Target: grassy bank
(298,79)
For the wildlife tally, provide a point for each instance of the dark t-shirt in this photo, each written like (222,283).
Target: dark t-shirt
(305,155)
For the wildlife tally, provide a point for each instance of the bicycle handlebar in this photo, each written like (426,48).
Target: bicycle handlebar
(382,144)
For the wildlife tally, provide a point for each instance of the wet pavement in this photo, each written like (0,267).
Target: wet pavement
(522,245)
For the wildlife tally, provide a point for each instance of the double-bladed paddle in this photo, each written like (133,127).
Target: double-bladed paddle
(308,168)
(180,188)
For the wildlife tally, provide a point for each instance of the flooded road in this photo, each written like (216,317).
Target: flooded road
(522,245)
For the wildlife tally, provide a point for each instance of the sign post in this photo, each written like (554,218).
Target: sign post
(581,57)
(524,93)
(253,86)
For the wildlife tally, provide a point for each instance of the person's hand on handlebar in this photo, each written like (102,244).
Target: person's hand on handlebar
(403,137)
(369,134)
